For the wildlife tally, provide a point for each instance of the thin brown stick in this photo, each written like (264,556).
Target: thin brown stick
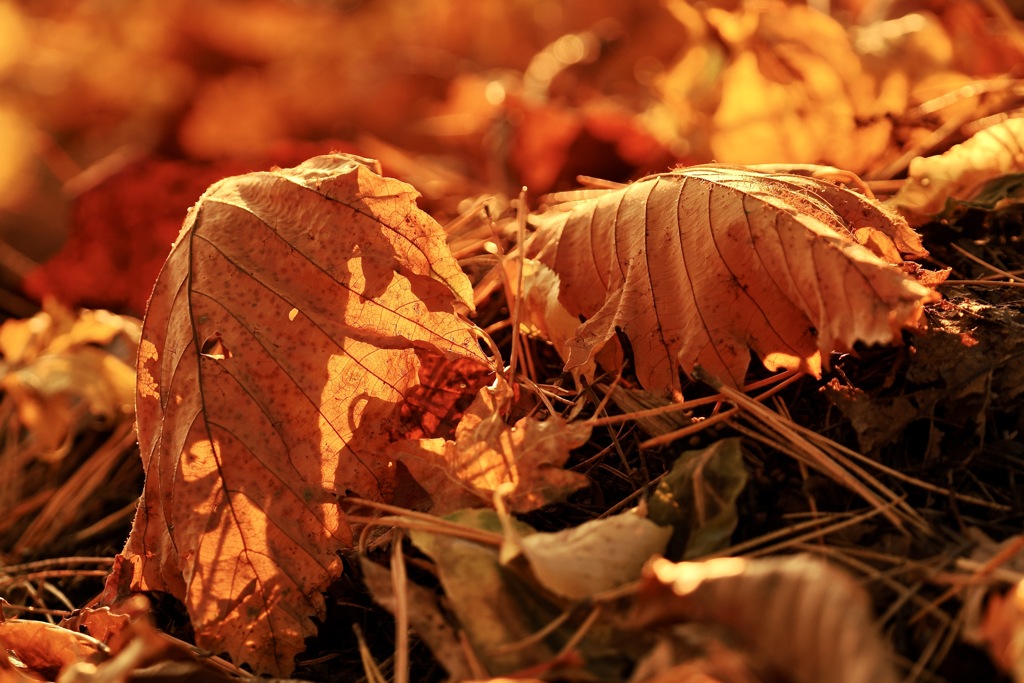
(1007,553)
(983,263)
(399,588)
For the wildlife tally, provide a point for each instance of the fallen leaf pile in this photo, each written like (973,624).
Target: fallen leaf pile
(585,341)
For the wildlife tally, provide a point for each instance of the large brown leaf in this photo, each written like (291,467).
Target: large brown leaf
(701,264)
(288,326)
(796,616)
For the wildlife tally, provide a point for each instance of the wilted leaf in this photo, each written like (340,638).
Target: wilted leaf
(963,170)
(425,617)
(699,265)
(485,598)
(595,556)
(284,333)
(487,452)
(796,615)
(697,498)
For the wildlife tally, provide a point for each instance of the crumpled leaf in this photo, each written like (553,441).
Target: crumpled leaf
(796,615)
(698,498)
(283,335)
(66,371)
(486,453)
(962,171)
(701,264)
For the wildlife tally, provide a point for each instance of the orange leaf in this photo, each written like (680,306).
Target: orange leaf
(698,265)
(44,649)
(283,335)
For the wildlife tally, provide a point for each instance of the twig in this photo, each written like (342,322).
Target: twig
(399,589)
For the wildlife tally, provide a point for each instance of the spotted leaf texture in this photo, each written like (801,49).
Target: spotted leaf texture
(699,265)
(285,332)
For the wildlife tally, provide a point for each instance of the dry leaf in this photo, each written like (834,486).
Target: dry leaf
(493,609)
(137,650)
(541,314)
(964,169)
(966,368)
(593,557)
(43,648)
(697,498)
(770,82)
(993,600)
(281,341)
(699,265)
(795,615)
(486,453)
(426,617)
(636,400)
(693,653)
(1003,631)
(66,371)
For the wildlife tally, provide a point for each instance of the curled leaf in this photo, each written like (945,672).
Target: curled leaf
(699,265)
(961,171)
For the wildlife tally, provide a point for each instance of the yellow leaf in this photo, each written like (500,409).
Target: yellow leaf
(962,170)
